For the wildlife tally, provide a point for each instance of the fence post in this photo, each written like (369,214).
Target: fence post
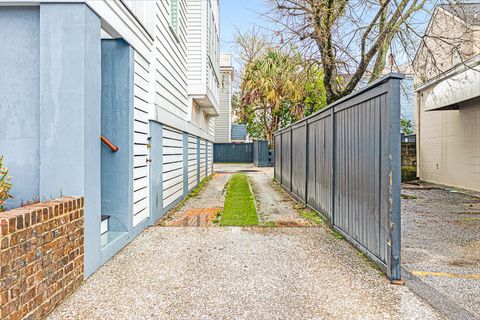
(281,161)
(306,161)
(198,160)
(185,163)
(395,178)
(206,158)
(332,176)
(274,150)
(291,159)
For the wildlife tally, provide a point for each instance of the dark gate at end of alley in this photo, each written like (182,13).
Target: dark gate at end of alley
(344,162)
(257,152)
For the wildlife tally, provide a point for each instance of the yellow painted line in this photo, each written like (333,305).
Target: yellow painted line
(446,274)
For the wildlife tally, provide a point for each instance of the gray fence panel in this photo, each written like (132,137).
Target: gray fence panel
(320,165)
(233,152)
(344,162)
(277,157)
(299,161)
(261,153)
(286,159)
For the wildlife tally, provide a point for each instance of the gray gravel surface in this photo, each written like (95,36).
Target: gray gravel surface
(240,273)
(212,196)
(273,204)
(441,234)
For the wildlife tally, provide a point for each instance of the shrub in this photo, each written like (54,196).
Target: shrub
(5,185)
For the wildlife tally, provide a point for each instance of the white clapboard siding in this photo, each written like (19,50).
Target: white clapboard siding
(140,194)
(203,158)
(140,149)
(192,162)
(195,43)
(140,127)
(172,165)
(170,54)
(139,161)
(170,158)
(140,183)
(140,172)
(140,10)
(140,139)
(173,150)
(167,175)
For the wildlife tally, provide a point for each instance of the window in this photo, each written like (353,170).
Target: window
(174,15)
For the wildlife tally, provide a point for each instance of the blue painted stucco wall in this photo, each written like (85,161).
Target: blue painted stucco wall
(70,97)
(117,126)
(19,99)
(50,95)
(156,171)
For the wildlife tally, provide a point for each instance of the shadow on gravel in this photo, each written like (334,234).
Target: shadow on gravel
(441,248)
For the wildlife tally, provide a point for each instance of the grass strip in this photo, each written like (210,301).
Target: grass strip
(239,208)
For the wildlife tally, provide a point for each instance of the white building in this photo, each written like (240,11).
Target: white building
(142,74)
(447,97)
(223,123)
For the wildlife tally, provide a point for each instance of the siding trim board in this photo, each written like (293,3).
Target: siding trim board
(353,149)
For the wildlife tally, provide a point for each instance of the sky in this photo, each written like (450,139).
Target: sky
(245,14)
(241,14)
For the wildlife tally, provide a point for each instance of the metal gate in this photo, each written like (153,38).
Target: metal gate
(344,162)
(233,152)
(262,154)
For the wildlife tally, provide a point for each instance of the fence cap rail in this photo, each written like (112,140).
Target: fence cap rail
(376,83)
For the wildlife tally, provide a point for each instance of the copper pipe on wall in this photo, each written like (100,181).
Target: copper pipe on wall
(110,145)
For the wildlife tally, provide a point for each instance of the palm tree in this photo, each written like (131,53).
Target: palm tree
(270,84)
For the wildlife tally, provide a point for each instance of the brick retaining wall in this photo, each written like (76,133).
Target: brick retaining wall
(409,154)
(41,257)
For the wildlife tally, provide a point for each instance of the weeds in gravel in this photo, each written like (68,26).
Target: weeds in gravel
(195,192)
(312,216)
(217,218)
(269,224)
(239,208)
(469,220)
(370,262)
(337,234)
(408,196)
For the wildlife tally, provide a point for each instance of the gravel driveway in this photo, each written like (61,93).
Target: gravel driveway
(441,245)
(240,273)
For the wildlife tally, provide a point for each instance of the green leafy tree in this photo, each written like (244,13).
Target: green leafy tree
(315,94)
(5,185)
(268,82)
(406,126)
(278,88)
